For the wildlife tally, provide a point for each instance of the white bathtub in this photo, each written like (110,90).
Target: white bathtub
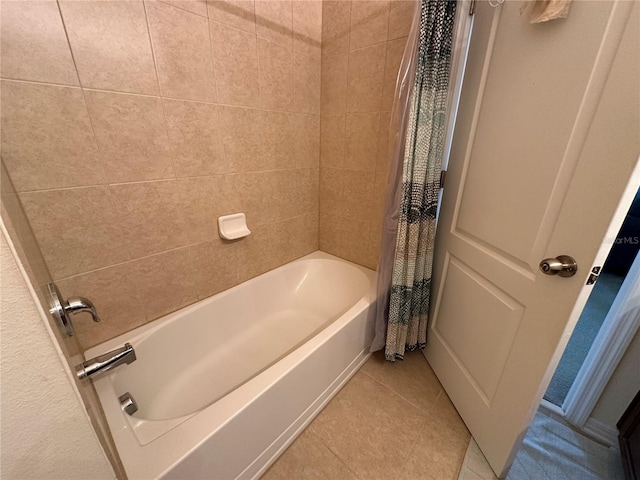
(225,385)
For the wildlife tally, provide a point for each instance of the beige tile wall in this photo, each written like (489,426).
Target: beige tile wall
(128,127)
(362,46)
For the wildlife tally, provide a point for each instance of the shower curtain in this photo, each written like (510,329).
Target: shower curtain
(420,116)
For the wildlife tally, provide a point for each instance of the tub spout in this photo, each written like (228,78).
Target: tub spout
(103,363)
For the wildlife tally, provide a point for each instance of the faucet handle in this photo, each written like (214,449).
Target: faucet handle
(61,309)
(80,304)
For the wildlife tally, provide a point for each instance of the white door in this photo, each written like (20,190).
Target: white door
(546,140)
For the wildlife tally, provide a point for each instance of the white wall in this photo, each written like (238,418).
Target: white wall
(622,387)
(46,433)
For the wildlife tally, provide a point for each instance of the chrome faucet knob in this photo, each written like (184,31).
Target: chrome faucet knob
(61,309)
(80,304)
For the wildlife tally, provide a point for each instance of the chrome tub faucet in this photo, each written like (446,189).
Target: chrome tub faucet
(96,366)
(62,310)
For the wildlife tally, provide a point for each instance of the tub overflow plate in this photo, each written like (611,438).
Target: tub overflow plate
(128,403)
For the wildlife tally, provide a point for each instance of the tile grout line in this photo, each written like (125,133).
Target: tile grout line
(38,82)
(376,44)
(340,242)
(388,19)
(425,412)
(384,73)
(344,462)
(463,466)
(410,452)
(188,245)
(405,399)
(258,65)
(213,63)
(293,61)
(155,67)
(466,462)
(319,439)
(136,94)
(184,9)
(80,86)
(167,179)
(318,189)
(95,137)
(66,34)
(346,101)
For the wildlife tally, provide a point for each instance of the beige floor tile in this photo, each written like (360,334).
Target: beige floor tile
(469,475)
(476,463)
(308,459)
(391,421)
(446,413)
(437,455)
(370,428)
(411,378)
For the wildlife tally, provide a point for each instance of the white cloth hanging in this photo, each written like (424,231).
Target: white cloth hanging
(545,10)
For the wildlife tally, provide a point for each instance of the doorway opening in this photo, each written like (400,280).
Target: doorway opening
(605,290)
(563,440)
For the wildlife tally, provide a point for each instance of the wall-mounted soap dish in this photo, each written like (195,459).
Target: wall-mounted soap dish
(233,227)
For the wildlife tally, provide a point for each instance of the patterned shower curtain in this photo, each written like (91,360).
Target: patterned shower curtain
(424,150)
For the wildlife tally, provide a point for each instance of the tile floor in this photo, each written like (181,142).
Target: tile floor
(475,466)
(390,421)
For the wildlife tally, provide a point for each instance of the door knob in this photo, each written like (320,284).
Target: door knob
(562,265)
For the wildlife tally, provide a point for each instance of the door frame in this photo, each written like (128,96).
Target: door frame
(611,342)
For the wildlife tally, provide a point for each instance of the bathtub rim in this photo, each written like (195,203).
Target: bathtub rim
(143,331)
